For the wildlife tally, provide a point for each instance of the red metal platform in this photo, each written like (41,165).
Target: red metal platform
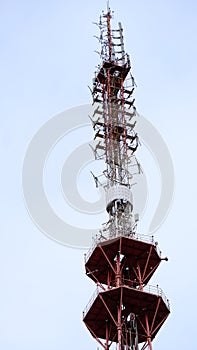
(150,309)
(139,260)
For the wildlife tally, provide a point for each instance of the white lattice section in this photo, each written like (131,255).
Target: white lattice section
(119,192)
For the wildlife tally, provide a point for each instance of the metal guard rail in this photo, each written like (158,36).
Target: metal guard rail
(148,289)
(104,237)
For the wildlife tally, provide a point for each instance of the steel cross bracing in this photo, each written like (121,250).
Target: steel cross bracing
(124,312)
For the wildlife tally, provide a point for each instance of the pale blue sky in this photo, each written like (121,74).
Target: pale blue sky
(47,60)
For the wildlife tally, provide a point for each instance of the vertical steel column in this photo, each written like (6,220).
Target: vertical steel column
(109,35)
(139,276)
(148,333)
(107,336)
(119,328)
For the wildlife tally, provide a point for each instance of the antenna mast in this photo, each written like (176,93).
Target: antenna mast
(125,312)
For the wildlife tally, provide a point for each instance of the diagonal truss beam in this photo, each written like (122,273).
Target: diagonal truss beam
(108,310)
(155,315)
(106,257)
(94,335)
(147,261)
(97,281)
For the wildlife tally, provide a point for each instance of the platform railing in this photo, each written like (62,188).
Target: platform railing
(156,290)
(105,236)
(91,301)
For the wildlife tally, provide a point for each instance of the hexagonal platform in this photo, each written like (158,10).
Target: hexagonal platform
(136,255)
(142,304)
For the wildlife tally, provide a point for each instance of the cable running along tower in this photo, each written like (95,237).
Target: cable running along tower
(125,312)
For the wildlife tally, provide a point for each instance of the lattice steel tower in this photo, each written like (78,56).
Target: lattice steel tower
(125,312)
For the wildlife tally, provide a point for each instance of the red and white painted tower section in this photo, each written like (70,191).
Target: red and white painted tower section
(125,312)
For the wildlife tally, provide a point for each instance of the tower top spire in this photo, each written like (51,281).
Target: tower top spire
(109,12)
(108,7)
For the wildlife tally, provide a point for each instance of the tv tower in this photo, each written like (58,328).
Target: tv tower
(125,312)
